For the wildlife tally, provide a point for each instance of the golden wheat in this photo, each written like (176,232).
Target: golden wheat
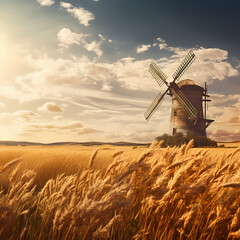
(173,193)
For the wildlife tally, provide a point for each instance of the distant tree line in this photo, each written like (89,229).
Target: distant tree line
(178,139)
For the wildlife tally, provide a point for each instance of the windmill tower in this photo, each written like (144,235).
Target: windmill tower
(187,115)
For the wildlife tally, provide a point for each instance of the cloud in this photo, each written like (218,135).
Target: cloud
(101,37)
(52,77)
(130,73)
(162,44)
(210,64)
(225,135)
(223,99)
(225,110)
(234,120)
(161,40)
(143,137)
(131,136)
(2,105)
(76,125)
(65,5)
(66,37)
(224,113)
(81,14)
(100,111)
(25,115)
(50,107)
(71,127)
(106,87)
(84,131)
(94,47)
(125,85)
(143,48)
(58,118)
(4,115)
(45,2)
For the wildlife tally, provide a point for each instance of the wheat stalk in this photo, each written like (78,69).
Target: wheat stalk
(10,164)
(92,158)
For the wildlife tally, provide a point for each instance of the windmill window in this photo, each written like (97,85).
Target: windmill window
(174,131)
(175,112)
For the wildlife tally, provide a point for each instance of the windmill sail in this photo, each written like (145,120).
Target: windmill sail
(154,106)
(187,106)
(188,60)
(156,72)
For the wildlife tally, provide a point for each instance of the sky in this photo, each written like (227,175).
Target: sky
(77,70)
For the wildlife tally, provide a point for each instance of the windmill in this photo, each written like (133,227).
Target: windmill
(187,97)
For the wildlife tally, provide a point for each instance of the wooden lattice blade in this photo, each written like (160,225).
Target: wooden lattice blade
(187,106)
(188,60)
(158,74)
(154,106)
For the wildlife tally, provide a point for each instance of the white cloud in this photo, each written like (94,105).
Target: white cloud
(223,99)
(227,114)
(161,43)
(160,40)
(74,127)
(65,5)
(143,48)
(52,78)
(2,105)
(84,131)
(66,37)
(94,47)
(45,2)
(225,110)
(210,63)
(162,46)
(22,115)
(99,111)
(101,37)
(58,118)
(106,87)
(25,115)
(225,135)
(4,115)
(81,14)
(50,107)
(129,73)
(125,85)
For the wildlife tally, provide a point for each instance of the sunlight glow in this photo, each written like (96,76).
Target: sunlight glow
(3,48)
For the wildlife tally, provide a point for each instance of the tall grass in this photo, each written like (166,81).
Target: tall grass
(171,193)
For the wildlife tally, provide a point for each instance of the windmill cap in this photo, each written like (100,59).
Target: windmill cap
(188,82)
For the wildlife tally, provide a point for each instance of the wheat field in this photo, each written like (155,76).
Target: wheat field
(73,192)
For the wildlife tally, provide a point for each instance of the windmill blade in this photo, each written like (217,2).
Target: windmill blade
(188,60)
(157,74)
(154,106)
(187,106)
